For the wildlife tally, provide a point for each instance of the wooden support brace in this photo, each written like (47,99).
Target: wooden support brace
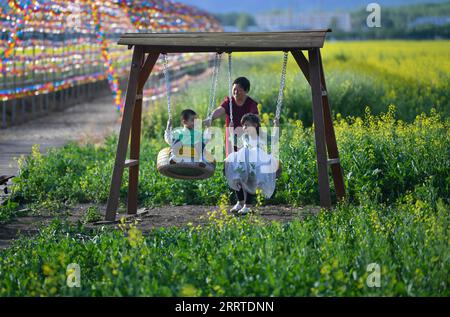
(333,161)
(319,129)
(122,146)
(302,63)
(131,120)
(133,179)
(330,137)
(332,148)
(129,163)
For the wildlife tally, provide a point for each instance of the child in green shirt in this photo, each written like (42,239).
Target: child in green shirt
(182,140)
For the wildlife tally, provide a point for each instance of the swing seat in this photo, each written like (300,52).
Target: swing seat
(186,169)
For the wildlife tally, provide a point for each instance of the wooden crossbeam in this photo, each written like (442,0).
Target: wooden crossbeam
(333,161)
(129,163)
(225,42)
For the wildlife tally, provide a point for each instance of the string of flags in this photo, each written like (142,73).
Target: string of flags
(50,45)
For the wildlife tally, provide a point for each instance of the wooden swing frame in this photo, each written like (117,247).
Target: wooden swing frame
(148,46)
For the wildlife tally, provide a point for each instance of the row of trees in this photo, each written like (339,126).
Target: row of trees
(396,22)
(240,20)
(421,21)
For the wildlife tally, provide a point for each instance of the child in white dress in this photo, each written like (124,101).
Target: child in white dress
(251,168)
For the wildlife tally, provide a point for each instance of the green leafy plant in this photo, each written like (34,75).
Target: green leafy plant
(324,255)
(92,214)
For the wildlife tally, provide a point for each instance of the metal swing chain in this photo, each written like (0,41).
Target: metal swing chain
(282,84)
(215,78)
(168,92)
(230,88)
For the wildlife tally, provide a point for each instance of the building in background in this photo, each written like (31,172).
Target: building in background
(430,20)
(278,21)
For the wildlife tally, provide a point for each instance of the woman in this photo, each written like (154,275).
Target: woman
(241,105)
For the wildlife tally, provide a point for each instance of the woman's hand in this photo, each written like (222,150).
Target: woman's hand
(207,122)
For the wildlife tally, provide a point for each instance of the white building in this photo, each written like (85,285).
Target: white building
(291,21)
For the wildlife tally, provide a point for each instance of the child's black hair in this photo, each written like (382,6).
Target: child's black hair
(243,82)
(253,118)
(187,114)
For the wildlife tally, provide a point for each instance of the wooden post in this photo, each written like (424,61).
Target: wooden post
(122,146)
(330,138)
(319,129)
(133,179)
(131,120)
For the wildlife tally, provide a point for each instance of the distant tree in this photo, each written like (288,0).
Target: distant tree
(241,20)
(396,23)
(334,25)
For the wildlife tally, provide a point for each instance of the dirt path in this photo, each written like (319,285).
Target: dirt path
(87,121)
(155,217)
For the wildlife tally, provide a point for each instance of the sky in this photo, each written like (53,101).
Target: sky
(258,6)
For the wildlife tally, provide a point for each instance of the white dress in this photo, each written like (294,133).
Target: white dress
(251,168)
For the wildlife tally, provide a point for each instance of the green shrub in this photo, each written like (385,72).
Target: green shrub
(92,214)
(382,158)
(8,210)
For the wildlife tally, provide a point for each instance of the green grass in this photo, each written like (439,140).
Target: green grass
(8,211)
(325,255)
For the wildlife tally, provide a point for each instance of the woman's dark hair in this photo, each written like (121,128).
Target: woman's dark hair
(253,118)
(187,114)
(243,82)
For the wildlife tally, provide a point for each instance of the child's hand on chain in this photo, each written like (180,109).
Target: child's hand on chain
(169,124)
